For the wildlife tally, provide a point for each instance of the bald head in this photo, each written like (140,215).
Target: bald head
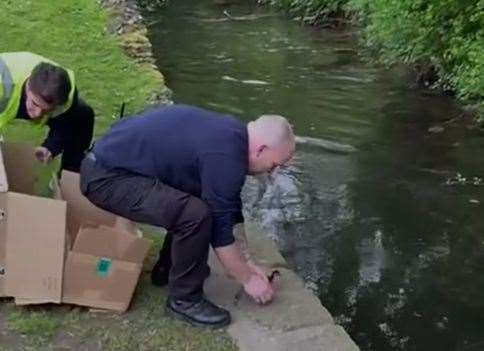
(271,143)
(273,129)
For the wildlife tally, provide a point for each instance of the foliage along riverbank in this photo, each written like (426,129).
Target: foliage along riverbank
(442,39)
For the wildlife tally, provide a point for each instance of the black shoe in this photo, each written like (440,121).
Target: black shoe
(202,313)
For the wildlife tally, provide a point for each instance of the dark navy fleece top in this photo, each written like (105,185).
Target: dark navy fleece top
(197,151)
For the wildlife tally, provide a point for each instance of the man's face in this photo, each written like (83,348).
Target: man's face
(266,159)
(35,105)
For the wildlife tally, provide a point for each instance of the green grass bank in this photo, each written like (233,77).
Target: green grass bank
(442,39)
(74,33)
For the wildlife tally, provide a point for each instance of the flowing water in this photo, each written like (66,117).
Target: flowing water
(386,224)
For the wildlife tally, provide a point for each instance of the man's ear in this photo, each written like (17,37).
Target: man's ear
(260,149)
(28,86)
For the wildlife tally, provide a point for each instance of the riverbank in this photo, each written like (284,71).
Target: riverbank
(443,41)
(79,35)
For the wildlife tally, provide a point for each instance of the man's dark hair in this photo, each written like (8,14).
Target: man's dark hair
(51,83)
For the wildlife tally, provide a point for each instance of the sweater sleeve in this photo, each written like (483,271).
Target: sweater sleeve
(222,179)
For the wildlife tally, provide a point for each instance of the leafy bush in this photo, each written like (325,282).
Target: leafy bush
(311,11)
(445,34)
(441,36)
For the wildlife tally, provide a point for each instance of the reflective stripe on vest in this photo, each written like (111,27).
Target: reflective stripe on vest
(7,85)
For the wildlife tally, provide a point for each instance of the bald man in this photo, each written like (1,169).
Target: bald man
(182,168)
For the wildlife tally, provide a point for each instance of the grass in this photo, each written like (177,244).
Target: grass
(73,33)
(39,326)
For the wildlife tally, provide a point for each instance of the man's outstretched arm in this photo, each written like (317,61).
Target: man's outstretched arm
(241,240)
(222,180)
(255,285)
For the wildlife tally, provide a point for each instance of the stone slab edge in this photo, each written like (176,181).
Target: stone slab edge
(295,320)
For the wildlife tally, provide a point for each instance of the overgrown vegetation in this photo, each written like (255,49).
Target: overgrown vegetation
(315,12)
(442,39)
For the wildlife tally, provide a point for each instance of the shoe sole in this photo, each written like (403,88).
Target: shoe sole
(189,320)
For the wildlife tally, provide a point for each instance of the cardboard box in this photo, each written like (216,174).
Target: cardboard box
(32,233)
(100,274)
(80,211)
(63,249)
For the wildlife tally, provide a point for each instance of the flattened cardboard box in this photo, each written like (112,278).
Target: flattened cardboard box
(36,235)
(103,268)
(80,211)
(106,259)
(32,233)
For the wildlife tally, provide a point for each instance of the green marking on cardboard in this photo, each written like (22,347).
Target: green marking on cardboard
(104,266)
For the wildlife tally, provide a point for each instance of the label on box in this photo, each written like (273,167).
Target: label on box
(104,266)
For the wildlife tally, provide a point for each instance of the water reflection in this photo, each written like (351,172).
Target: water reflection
(303,214)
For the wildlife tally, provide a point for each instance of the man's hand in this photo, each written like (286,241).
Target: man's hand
(43,154)
(253,278)
(256,269)
(259,289)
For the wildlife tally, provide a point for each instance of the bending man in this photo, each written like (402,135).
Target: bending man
(183,168)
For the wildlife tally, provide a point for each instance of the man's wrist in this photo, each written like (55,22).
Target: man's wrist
(235,264)
(245,277)
(241,240)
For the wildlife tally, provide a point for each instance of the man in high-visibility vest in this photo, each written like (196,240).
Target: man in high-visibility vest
(39,90)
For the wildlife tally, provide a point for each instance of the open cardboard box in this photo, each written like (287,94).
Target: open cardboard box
(62,250)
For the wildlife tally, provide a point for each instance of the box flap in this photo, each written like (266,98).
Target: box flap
(31,301)
(35,247)
(80,210)
(127,226)
(3,243)
(19,161)
(99,282)
(56,189)
(3,175)
(114,243)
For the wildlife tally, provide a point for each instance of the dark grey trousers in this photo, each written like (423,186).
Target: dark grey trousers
(146,200)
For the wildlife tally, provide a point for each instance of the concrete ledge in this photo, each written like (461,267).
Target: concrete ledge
(293,308)
(295,320)
(250,337)
(263,248)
